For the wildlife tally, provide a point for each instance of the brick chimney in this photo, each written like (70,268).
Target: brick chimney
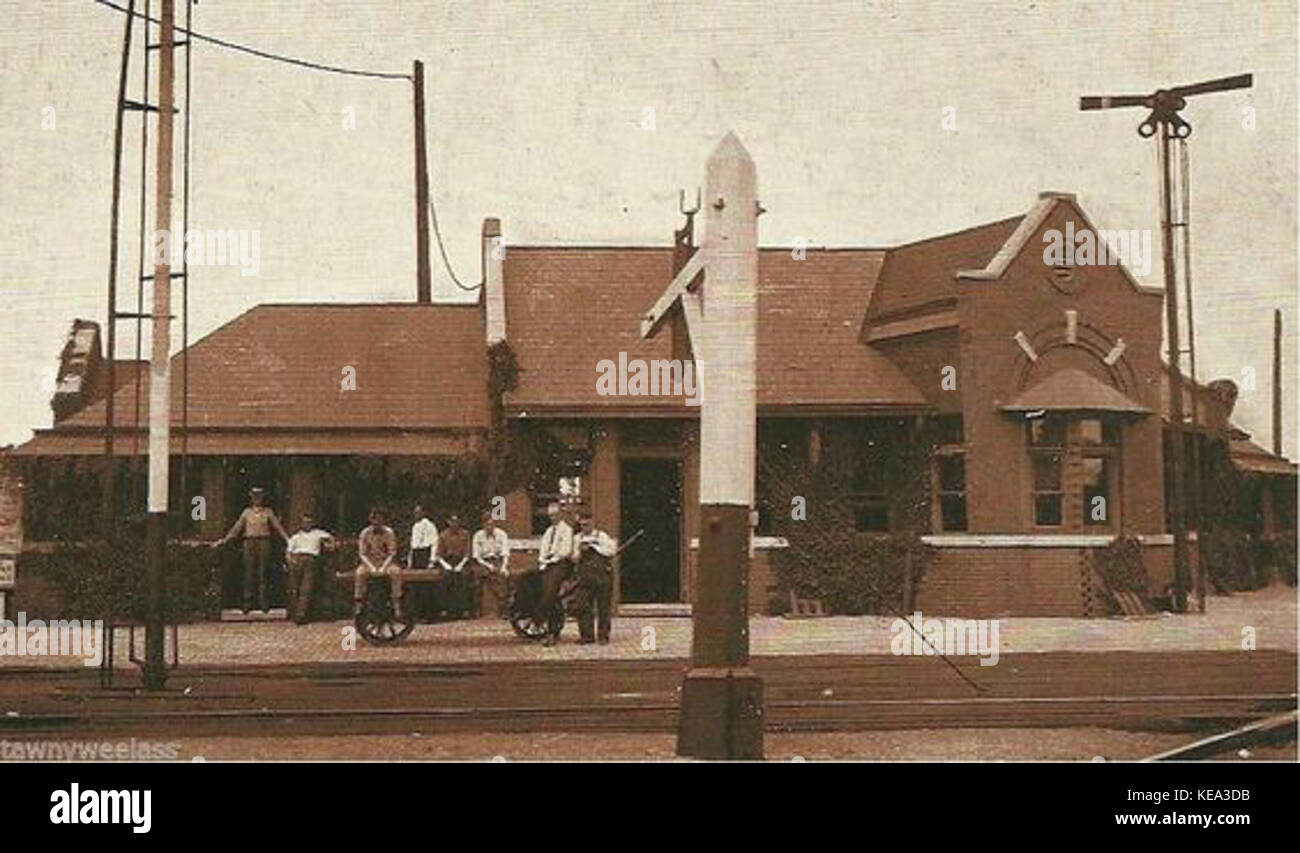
(81,370)
(494,295)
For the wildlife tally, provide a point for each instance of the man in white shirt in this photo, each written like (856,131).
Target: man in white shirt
(593,552)
(554,561)
(423,554)
(491,551)
(304,556)
(424,541)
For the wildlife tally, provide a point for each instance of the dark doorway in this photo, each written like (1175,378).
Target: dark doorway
(650,495)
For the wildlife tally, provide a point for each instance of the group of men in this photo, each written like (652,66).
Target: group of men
(470,564)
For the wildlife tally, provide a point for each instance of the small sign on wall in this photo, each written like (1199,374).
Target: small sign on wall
(7,572)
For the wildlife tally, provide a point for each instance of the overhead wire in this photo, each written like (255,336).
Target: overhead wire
(265,54)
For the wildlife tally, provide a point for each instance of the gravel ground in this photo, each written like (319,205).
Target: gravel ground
(913,745)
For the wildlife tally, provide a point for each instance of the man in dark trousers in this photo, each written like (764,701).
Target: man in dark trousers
(255,524)
(304,557)
(555,562)
(593,552)
(453,555)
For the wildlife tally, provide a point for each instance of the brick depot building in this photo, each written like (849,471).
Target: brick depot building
(1046,382)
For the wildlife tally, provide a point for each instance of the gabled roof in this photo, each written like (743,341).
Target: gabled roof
(281,367)
(569,308)
(1028,226)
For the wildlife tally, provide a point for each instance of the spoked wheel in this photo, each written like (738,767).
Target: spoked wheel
(526,593)
(527,625)
(378,623)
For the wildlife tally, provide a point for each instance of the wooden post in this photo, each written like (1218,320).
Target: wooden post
(907,582)
(155,669)
(1277,381)
(110,330)
(423,276)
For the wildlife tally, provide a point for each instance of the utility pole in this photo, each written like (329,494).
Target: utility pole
(155,669)
(110,503)
(423,276)
(1277,381)
(1165,105)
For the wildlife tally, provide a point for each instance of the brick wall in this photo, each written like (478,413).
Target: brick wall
(982,582)
(11,529)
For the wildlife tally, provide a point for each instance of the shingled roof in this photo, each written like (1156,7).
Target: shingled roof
(280,367)
(569,308)
(917,277)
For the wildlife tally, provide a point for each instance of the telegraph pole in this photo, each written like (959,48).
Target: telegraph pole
(1165,105)
(155,669)
(110,347)
(423,275)
(1277,381)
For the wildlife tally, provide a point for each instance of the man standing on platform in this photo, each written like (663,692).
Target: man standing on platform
(304,557)
(555,562)
(491,550)
(593,551)
(255,524)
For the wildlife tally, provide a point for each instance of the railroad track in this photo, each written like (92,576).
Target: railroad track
(1190,712)
(1195,692)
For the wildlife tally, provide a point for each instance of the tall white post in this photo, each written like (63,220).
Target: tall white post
(722,703)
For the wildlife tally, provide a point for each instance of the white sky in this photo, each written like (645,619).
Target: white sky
(535,116)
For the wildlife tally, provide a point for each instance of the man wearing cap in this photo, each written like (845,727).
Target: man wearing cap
(255,524)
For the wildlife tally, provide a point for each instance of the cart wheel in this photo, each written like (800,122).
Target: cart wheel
(527,626)
(379,625)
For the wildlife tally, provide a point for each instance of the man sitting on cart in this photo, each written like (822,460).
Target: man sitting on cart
(453,556)
(491,551)
(377,546)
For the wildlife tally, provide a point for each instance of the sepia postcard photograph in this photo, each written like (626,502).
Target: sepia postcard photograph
(390,383)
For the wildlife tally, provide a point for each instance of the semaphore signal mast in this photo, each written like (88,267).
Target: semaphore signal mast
(1164,117)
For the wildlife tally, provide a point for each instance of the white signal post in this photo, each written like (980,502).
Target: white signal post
(721,714)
